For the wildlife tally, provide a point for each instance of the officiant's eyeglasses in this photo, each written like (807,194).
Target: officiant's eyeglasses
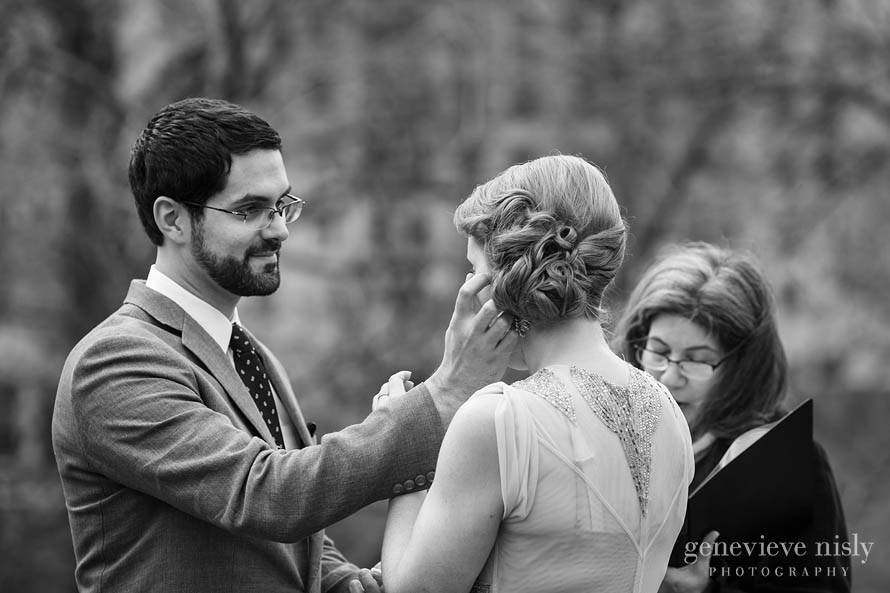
(691,369)
(260,217)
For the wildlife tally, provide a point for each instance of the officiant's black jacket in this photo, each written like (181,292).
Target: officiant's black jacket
(828,521)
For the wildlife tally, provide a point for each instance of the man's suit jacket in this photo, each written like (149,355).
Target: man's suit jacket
(171,477)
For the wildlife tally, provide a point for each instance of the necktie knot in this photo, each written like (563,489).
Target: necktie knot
(239,341)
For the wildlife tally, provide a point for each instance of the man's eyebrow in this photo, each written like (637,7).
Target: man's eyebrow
(248,198)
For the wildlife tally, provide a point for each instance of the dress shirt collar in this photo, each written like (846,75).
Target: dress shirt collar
(211,319)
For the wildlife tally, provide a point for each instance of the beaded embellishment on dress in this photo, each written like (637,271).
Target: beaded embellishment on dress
(630,412)
(548,386)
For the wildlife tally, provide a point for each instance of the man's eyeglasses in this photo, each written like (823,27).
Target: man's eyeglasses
(652,360)
(260,217)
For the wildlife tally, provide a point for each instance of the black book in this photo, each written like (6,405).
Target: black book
(763,495)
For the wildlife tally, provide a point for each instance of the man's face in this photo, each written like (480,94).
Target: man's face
(242,260)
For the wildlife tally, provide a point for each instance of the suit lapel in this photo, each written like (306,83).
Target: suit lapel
(217,362)
(284,390)
(282,386)
(199,343)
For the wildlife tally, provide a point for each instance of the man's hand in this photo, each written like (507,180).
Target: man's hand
(478,344)
(692,578)
(368,581)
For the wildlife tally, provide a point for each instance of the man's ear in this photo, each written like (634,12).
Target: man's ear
(172,219)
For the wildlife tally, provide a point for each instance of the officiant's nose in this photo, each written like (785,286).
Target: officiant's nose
(672,377)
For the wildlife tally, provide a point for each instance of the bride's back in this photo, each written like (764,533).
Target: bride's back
(594,480)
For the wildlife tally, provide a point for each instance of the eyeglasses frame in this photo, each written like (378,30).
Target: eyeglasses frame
(272,211)
(641,347)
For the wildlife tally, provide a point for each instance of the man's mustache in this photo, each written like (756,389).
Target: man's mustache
(267,246)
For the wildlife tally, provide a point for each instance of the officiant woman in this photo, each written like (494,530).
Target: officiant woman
(702,321)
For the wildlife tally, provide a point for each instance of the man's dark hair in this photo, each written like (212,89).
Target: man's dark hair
(185,153)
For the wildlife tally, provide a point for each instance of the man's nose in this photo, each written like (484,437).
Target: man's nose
(277,229)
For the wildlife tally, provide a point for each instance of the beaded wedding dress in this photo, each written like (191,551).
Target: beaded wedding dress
(594,479)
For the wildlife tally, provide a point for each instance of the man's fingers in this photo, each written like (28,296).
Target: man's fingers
(496,317)
(375,402)
(466,296)
(377,574)
(508,342)
(368,581)
(355,586)
(489,319)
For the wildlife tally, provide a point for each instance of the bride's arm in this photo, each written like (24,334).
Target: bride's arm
(440,543)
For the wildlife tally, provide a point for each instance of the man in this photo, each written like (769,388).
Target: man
(185,461)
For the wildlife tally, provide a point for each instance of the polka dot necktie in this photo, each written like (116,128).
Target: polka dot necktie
(253,373)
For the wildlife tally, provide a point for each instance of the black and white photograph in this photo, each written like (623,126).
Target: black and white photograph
(445,296)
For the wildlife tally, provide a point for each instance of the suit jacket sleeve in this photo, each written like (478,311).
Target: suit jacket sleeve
(140,419)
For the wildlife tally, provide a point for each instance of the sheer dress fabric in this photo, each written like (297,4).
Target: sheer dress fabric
(594,479)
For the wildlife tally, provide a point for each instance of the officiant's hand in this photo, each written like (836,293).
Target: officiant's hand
(692,578)
(478,344)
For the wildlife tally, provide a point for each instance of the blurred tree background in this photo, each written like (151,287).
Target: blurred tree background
(758,124)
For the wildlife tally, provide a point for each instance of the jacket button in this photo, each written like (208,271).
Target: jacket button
(397,489)
(409,485)
(430,476)
(420,480)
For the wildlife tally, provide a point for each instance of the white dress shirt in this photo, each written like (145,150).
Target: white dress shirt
(219,328)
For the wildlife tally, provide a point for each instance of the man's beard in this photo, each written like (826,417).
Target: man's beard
(233,274)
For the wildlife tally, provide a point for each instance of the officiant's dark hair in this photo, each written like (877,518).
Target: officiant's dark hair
(724,292)
(553,233)
(185,153)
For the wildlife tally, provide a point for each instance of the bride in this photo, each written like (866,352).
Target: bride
(574,479)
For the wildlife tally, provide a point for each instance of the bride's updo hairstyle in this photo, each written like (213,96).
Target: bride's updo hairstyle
(553,234)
